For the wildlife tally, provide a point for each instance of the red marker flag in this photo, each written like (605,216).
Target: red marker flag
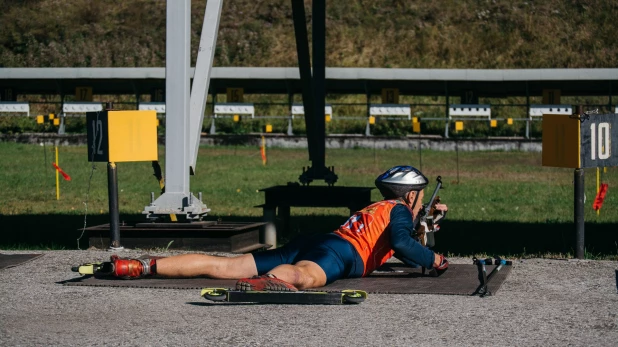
(598,201)
(64,174)
(263,151)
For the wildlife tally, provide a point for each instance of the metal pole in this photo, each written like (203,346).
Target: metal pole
(368,97)
(528,111)
(420,153)
(114,215)
(578,212)
(57,175)
(446,109)
(291,116)
(578,206)
(213,127)
(457,155)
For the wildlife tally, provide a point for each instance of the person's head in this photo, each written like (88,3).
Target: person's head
(403,182)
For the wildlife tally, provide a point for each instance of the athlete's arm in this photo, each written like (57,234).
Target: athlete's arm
(406,248)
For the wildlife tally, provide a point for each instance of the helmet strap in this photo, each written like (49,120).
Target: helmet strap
(405,198)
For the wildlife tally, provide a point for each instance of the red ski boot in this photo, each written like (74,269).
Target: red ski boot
(133,268)
(264,282)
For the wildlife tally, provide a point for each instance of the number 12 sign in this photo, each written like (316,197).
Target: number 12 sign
(121,136)
(585,142)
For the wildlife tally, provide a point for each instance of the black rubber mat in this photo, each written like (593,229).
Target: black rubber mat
(393,279)
(10,260)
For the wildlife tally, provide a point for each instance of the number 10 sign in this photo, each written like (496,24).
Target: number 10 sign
(580,142)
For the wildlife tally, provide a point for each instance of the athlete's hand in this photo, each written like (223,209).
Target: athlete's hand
(438,214)
(441,207)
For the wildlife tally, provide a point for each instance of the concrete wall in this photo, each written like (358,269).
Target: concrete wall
(436,143)
(358,141)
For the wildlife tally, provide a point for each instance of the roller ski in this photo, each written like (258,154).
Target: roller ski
(272,290)
(273,297)
(102,268)
(118,267)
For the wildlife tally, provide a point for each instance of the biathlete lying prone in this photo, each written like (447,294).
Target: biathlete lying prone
(364,242)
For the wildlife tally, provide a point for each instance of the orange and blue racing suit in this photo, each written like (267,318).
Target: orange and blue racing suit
(364,242)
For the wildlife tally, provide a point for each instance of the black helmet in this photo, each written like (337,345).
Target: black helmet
(399,180)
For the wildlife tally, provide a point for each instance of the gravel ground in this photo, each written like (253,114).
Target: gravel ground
(543,302)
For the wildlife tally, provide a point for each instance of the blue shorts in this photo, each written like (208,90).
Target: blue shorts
(336,256)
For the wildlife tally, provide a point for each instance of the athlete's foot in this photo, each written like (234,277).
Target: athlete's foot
(133,268)
(264,282)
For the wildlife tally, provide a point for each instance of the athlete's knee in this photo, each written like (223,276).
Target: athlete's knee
(311,275)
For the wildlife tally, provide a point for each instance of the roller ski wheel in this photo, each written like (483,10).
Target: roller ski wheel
(215,294)
(353,296)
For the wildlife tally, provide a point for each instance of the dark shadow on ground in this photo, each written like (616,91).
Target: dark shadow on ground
(458,237)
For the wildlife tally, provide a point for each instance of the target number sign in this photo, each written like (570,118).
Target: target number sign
(121,136)
(588,142)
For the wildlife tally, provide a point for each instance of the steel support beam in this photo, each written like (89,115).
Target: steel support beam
(314,87)
(304,67)
(318,15)
(201,77)
(177,199)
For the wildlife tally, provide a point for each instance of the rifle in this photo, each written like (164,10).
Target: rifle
(425,216)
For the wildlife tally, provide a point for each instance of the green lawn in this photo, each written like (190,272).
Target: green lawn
(503,196)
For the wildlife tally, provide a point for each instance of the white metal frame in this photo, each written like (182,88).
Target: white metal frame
(159,107)
(15,107)
(234,108)
(469,111)
(299,110)
(540,110)
(81,107)
(390,110)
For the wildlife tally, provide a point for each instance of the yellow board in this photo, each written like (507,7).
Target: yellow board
(236,118)
(416,127)
(372,120)
(327,118)
(132,136)
(509,121)
(414,119)
(40,119)
(56,121)
(390,95)
(561,139)
(551,96)
(269,128)
(235,94)
(493,123)
(458,126)
(83,93)
(51,116)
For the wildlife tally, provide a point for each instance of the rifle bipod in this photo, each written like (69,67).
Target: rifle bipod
(483,289)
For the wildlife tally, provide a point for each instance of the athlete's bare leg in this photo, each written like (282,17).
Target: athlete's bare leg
(304,274)
(192,265)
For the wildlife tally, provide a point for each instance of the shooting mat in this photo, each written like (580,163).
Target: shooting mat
(459,279)
(10,260)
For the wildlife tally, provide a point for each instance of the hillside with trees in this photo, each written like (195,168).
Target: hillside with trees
(360,33)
